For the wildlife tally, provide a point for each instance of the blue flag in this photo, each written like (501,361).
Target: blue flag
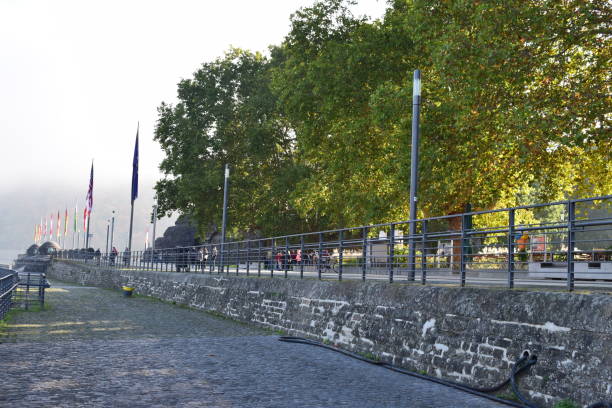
(135,168)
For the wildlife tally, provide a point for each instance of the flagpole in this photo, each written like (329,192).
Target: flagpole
(87,236)
(131,224)
(134,194)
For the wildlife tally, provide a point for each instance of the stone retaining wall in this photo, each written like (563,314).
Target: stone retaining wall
(467,335)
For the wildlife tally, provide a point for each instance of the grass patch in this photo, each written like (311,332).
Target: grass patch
(369,356)
(566,403)
(508,396)
(13,313)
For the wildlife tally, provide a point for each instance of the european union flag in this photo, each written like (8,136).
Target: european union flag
(135,168)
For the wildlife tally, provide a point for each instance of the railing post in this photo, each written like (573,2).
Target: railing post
(259,257)
(248,258)
(571,239)
(287,258)
(511,265)
(226,260)
(364,252)
(302,257)
(424,253)
(463,248)
(238,257)
(273,258)
(412,249)
(340,254)
(391,258)
(320,253)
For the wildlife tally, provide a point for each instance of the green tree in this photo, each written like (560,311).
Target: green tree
(516,94)
(226,114)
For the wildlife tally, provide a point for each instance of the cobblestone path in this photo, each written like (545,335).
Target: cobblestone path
(95,348)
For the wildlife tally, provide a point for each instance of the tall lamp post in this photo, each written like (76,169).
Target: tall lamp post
(154,223)
(414,169)
(112,230)
(107,231)
(224,220)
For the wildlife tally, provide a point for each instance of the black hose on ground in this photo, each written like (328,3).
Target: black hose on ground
(522,364)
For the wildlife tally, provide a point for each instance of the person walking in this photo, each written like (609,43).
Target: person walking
(113,255)
(126,256)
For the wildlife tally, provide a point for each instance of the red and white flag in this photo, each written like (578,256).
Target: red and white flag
(84,219)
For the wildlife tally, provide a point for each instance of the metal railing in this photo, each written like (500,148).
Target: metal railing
(8,283)
(566,244)
(31,289)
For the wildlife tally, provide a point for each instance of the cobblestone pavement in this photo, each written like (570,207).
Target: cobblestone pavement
(95,348)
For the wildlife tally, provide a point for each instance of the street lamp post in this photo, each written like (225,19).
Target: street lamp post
(112,230)
(224,220)
(154,223)
(414,169)
(107,230)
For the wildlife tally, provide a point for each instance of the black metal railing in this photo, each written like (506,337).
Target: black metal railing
(8,284)
(564,243)
(31,289)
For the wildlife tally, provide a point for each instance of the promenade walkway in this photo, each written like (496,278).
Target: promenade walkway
(95,348)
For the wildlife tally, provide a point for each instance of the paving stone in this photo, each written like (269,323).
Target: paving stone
(97,348)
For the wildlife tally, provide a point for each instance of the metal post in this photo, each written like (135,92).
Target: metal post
(340,254)
(320,253)
(237,251)
(224,219)
(87,236)
(364,253)
(112,230)
(259,257)
(302,257)
(287,257)
(511,265)
(391,252)
(130,235)
(248,257)
(424,253)
(154,224)
(463,245)
(107,231)
(273,258)
(414,168)
(571,239)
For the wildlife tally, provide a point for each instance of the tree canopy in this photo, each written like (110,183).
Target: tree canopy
(516,102)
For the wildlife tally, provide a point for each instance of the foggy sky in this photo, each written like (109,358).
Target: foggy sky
(77,76)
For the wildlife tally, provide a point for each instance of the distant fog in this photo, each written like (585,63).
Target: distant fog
(21,209)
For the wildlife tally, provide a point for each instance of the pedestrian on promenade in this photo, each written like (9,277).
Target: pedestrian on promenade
(279,259)
(98,255)
(113,256)
(523,243)
(201,258)
(126,256)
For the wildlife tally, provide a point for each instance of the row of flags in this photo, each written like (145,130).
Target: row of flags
(44,231)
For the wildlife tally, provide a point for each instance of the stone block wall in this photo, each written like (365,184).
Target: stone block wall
(467,335)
